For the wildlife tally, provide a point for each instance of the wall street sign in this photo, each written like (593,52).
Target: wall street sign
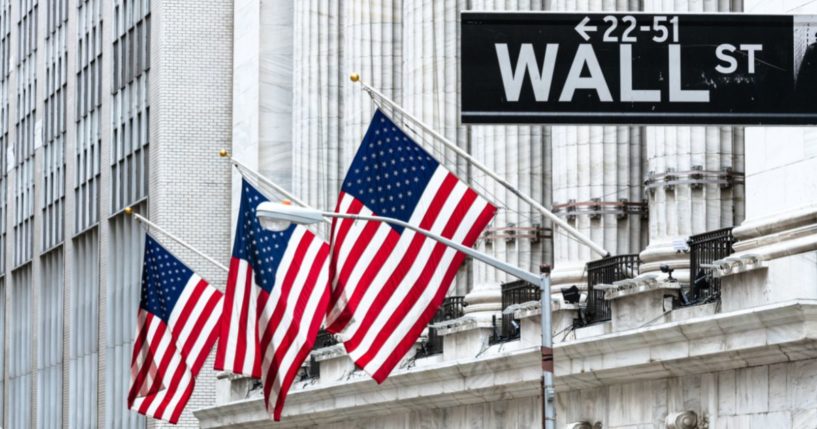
(638,68)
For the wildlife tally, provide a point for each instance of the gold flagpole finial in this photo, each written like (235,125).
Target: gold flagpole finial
(223,153)
(354,77)
(128,211)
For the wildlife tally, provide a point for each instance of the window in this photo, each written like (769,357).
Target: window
(25,127)
(53,169)
(88,102)
(5,58)
(130,108)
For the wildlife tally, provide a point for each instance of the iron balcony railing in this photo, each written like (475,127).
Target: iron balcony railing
(606,271)
(506,328)
(324,339)
(310,371)
(704,249)
(451,308)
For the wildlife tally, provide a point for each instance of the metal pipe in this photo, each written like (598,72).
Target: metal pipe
(555,219)
(261,177)
(488,259)
(150,224)
(548,390)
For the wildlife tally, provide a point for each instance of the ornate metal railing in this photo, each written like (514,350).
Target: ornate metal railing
(310,371)
(506,328)
(324,339)
(704,249)
(451,308)
(606,271)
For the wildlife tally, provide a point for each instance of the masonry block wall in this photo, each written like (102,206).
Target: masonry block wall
(103,105)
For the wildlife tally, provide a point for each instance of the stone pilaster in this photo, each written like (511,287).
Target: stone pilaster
(372,44)
(596,186)
(430,86)
(317,97)
(691,174)
(521,154)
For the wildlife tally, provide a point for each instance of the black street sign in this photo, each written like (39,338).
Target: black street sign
(638,68)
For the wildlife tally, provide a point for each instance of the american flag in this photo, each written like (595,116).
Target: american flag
(388,282)
(177,325)
(276,298)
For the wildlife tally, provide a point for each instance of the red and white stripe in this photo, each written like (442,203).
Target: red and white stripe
(387,286)
(271,334)
(167,357)
(239,352)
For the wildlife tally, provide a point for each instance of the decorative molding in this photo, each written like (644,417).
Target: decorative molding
(776,333)
(641,284)
(766,239)
(596,208)
(683,420)
(326,353)
(500,372)
(695,178)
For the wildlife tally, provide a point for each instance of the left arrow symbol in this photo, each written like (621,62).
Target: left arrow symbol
(583,28)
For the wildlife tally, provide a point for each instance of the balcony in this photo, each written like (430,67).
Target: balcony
(606,271)
(704,249)
(517,292)
(451,308)
(324,339)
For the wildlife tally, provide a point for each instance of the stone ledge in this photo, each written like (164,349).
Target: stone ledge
(496,374)
(758,336)
(765,239)
(326,353)
(642,284)
(534,308)
(770,334)
(461,324)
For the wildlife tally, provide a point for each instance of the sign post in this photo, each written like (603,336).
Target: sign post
(639,68)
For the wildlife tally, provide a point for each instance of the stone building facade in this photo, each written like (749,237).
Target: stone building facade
(103,105)
(746,360)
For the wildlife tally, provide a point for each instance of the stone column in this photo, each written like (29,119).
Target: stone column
(596,186)
(521,154)
(317,102)
(687,173)
(430,82)
(333,39)
(372,45)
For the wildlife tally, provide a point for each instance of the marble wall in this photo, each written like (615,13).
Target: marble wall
(768,396)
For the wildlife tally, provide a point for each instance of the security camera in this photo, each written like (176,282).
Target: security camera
(668,271)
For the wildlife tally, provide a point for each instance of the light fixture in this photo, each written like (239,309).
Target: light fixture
(668,271)
(278,216)
(571,294)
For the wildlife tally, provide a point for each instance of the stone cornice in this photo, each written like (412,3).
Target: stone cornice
(763,240)
(762,335)
(641,284)
(496,374)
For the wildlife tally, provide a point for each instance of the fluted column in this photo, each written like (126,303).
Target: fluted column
(317,102)
(596,182)
(520,154)
(698,158)
(334,38)
(372,46)
(430,81)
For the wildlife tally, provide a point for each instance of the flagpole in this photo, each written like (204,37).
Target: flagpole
(241,166)
(540,208)
(142,219)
